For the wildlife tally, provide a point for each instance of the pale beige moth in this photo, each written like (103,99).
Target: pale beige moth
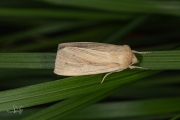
(87,58)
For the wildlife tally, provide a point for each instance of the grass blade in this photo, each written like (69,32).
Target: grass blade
(128,6)
(157,60)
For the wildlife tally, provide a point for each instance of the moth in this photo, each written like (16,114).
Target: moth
(87,58)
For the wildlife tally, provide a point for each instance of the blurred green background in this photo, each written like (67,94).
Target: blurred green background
(38,27)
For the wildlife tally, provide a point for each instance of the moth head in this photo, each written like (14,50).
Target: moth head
(134,59)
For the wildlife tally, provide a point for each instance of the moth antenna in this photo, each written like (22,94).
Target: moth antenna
(105,76)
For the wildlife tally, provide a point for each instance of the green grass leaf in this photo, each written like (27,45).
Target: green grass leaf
(44,29)
(27,60)
(62,14)
(129,109)
(157,60)
(129,27)
(65,88)
(128,6)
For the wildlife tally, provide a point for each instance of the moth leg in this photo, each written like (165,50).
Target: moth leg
(106,76)
(133,51)
(109,74)
(132,67)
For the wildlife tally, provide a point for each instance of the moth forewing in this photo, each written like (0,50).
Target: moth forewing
(86,58)
(74,61)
